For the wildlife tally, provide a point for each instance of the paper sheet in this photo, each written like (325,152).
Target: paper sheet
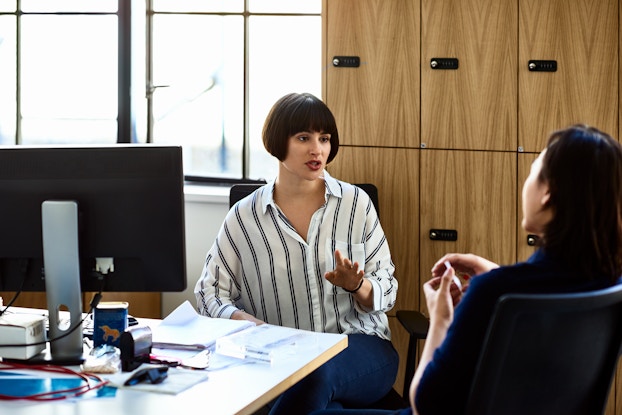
(184,328)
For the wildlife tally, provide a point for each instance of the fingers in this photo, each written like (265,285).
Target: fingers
(441,265)
(345,273)
(465,264)
(448,277)
(345,262)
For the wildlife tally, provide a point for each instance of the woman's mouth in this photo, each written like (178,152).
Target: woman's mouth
(314,164)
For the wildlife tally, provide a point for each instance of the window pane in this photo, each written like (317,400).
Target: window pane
(69,79)
(198,62)
(69,5)
(224,6)
(8,74)
(285,56)
(285,6)
(8,5)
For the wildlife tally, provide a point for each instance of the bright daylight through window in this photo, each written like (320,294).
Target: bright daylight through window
(198,73)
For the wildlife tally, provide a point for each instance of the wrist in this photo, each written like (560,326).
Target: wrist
(357,288)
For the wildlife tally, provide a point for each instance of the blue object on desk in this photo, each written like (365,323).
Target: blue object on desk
(152,375)
(18,384)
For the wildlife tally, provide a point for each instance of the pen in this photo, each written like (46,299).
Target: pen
(455,278)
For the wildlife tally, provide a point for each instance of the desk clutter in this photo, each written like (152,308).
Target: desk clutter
(167,356)
(21,329)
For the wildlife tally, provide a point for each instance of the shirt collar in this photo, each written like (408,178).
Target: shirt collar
(267,196)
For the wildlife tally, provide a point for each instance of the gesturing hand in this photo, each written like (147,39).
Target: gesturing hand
(439,298)
(346,274)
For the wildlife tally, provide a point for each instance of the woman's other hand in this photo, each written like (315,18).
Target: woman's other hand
(466,265)
(440,299)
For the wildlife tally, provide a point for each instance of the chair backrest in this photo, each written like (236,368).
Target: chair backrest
(239,191)
(549,354)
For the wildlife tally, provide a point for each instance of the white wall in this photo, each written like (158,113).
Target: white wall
(206,207)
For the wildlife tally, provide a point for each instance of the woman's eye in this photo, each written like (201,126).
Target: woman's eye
(325,139)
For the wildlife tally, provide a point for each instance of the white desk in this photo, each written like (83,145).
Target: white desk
(240,389)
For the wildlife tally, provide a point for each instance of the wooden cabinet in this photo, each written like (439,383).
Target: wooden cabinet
(582,37)
(474,106)
(471,193)
(378,102)
(450,148)
(525,243)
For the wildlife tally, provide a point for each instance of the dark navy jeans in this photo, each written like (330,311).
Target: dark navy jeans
(358,376)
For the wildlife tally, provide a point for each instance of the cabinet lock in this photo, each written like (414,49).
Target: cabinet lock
(443,235)
(542,66)
(444,63)
(346,61)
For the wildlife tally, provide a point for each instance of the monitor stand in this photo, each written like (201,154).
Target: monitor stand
(61,263)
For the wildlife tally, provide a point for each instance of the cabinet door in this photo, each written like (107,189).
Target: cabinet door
(396,175)
(376,103)
(472,107)
(582,37)
(525,243)
(470,193)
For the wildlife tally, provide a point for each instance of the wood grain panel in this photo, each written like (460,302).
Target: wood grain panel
(25,299)
(141,304)
(523,250)
(148,305)
(377,103)
(582,36)
(474,193)
(473,107)
(396,175)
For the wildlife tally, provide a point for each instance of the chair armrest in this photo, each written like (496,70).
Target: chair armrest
(415,323)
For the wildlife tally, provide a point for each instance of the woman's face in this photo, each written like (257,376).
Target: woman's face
(536,211)
(307,153)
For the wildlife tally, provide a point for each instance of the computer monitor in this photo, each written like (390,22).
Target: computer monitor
(125,202)
(130,208)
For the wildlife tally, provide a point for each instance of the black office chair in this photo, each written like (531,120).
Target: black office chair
(239,191)
(549,354)
(393,400)
(543,354)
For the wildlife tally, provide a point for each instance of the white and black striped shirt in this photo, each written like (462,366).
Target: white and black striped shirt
(261,265)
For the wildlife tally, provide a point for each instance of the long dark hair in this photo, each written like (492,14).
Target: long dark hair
(583,168)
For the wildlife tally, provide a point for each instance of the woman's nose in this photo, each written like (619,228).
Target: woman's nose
(316,147)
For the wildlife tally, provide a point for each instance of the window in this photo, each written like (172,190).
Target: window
(199,73)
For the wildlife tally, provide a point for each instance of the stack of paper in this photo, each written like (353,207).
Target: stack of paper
(185,329)
(267,343)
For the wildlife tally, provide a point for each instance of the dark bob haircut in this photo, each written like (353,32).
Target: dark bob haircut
(583,169)
(295,113)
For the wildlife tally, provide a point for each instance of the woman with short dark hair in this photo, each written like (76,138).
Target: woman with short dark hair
(307,251)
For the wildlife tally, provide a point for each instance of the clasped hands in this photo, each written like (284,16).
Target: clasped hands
(346,274)
(442,293)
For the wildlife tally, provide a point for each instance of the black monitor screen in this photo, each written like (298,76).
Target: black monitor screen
(130,208)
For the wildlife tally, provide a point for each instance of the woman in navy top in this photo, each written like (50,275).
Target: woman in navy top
(572,200)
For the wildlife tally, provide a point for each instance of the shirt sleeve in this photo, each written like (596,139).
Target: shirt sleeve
(217,290)
(379,267)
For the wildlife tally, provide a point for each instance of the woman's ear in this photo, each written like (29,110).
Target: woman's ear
(546,195)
